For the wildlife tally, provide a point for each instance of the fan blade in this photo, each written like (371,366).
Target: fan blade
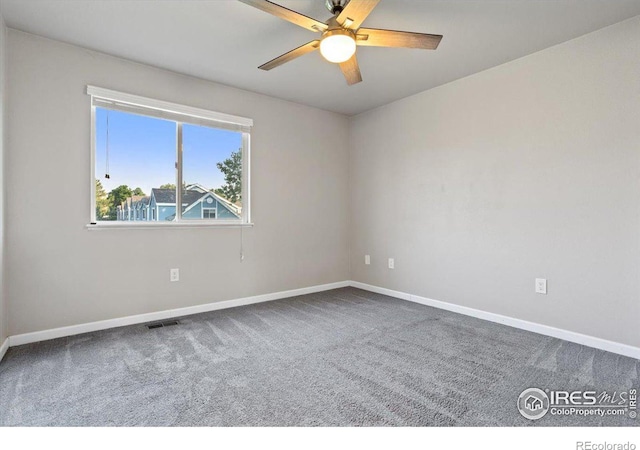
(287,14)
(293,54)
(351,70)
(355,12)
(389,38)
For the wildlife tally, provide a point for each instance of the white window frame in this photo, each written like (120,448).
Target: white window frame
(179,114)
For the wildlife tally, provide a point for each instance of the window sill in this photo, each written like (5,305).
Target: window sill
(122,225)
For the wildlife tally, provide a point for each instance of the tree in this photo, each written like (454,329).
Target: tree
(116,197)
(102,202)
(138,191)
(232,170)
(168,186)
(119,194)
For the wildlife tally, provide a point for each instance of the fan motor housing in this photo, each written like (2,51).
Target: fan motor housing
(339,30)
(335,6)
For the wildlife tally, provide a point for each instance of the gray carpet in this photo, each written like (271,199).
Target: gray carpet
(342,357)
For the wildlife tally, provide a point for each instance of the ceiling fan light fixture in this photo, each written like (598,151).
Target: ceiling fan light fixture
(341,34)
(338,45)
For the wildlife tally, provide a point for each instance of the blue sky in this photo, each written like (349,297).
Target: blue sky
(142,151)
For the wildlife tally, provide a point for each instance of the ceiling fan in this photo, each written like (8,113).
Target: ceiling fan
(342,33)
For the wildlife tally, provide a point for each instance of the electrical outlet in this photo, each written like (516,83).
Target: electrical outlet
(367,259)
(392,263)
(174,275)
(541,285)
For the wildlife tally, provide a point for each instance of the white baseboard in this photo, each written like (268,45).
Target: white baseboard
(589,341)
(72,330)
(3,348)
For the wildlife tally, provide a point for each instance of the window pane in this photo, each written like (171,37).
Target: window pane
(135,167)
(211,173)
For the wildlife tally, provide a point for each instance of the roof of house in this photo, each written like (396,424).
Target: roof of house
(233,207)
(134,199)
(196,187)
(130,201)
(169,196)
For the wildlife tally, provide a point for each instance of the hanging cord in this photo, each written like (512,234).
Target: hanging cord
(241,243)
(106,170)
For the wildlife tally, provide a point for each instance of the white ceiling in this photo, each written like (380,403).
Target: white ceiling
(225,40)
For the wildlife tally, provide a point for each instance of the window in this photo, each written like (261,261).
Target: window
(150,156)
(208,213)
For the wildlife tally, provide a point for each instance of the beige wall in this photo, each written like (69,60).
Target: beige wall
(61,274)
(4,322)
(530,169)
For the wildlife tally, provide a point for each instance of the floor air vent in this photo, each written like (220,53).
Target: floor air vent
(163,324)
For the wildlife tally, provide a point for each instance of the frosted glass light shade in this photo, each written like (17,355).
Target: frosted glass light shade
(337,48)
